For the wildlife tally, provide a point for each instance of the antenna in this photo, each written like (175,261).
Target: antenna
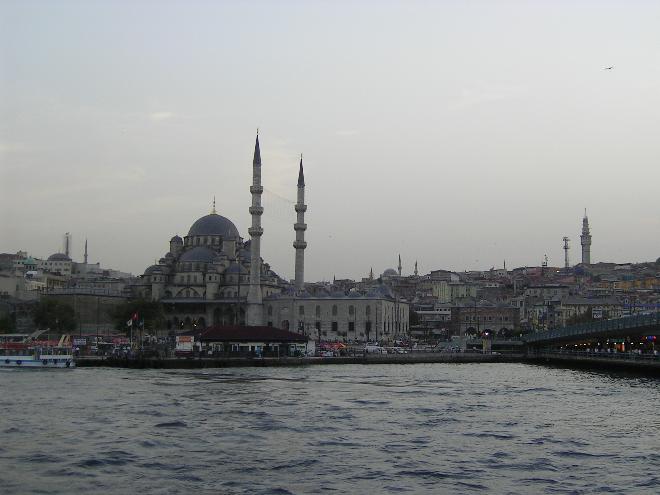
(566,248)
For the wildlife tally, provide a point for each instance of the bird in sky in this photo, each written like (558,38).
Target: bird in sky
(609,68)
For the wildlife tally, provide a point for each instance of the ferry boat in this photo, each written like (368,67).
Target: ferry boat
(36,354)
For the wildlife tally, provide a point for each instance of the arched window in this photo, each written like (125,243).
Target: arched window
(270,311)
(301,310)
(351,310)
(318,311)
(334,310)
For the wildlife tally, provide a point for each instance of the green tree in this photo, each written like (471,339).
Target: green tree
(151,312)
(585,317)
(7,324)
(54,314)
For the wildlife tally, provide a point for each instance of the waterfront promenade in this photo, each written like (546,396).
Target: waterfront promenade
(229,362)
(645,364)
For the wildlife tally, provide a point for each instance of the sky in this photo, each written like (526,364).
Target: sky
(456,134)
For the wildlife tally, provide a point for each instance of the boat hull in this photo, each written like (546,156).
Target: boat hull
(44,361)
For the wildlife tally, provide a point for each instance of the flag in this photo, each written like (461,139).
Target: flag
(135,316)
(129,323)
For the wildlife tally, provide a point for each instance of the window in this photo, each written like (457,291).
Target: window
(368,311)
(318,311)
(301,310)
(334,310)
(334,326)
(351,327)
(317,325)
(351,310)
(270,311)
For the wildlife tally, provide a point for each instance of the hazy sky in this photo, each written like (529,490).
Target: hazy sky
(458,134)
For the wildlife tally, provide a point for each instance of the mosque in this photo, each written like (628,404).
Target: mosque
(214,277)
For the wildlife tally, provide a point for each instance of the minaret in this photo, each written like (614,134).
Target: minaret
(585,240)
(415,268)
(399,265)
(300,227)
(85,251)
(254,315)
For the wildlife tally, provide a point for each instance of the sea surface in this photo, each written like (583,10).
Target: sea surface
(422,428)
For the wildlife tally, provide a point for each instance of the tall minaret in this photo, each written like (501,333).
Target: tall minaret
(399,265)
(254,315)
(300,226)
(85,251)
(416,268)
(585,240)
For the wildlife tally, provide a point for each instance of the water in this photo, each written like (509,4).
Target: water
(427,428)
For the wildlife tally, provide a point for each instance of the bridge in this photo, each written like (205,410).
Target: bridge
(639,325)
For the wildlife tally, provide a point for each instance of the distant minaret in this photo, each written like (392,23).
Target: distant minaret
(415,268)
(85,251)
(566,248)
(399,265)
(67,244)
(585,240)
(300,226)
(371,273)
(254,315)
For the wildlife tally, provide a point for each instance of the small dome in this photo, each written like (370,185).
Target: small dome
(152,269)
(390,272)
(176,239)
(59,257)
(198,253)
(214,224)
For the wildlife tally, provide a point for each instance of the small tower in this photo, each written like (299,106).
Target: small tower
(415,268)
(399,265)
(566,248)
(85,258)
(585,240)
(254,315)
(300,227)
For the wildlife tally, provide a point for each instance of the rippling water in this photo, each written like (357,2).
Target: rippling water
(427,428)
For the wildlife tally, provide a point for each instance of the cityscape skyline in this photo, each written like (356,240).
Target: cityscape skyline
(424,134)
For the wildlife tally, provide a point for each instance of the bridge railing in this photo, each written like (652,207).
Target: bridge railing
(637,321)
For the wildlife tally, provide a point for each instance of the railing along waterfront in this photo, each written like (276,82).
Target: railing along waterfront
(585,329)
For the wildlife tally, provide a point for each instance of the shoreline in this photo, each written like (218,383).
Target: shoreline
(639,367)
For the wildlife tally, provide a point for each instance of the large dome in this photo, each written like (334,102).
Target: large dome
(59,257)
(214,224)
(198,254)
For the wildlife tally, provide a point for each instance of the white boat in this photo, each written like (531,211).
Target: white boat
(20,355)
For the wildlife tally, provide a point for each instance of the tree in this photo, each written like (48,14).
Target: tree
(7,324)
(585,317)
(54,314)
(151,312)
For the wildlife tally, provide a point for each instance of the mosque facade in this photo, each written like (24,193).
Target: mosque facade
(212,276)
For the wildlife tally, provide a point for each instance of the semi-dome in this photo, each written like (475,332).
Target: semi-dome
(236,267)
(59,257)
(198,253)
(176,239)
(214,224)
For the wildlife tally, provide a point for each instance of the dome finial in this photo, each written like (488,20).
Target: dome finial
(213,212)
